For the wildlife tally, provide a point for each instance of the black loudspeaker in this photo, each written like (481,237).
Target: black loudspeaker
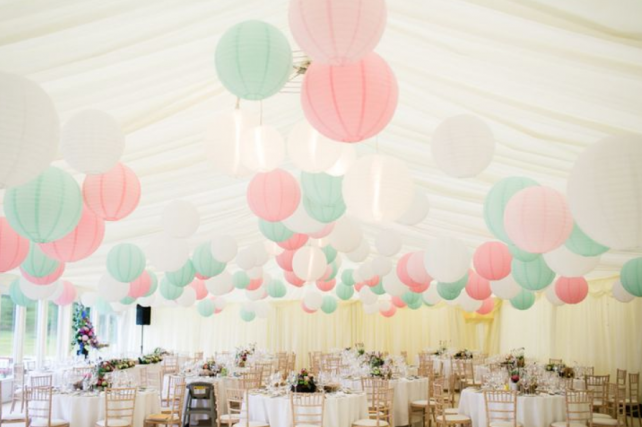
(143,315)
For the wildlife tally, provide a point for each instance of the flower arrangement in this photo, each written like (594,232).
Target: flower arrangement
(304,383)
(149,359)
(211,368)
(562,370)
(463,354)
(85,337)
(515,358)
(380,366)
(514,376)
(242,354)
(107,366)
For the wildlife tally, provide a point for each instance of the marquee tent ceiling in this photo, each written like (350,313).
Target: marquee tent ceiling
(549,77)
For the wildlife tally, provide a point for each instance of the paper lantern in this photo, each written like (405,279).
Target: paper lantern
(204,263)
(468,304)
(126,301)
(492,261)
(35,291)
(276,289)
(416,269)
(410,297)
(631,276)
(224,248)
(310,151)
(388,243)
(330,253)
(262,149)
(222,284)
(402,271)
(418,210)
(167,253)
(199,288)
(153,283)
(346,235)
(620,294)
(397,302)
(273,196)
(13,247)
(463,146)
(390,312)
(496,201)
(578,242)
(301,222)
(534,275)
(246,259)
(381,265)
(275,231)
(284,260)
(46,208)
(524,300)
(187,298)
(447,259)
(329,304)
(223,142)
(324,232)
(420,288)
(68,294)
(378,288)
(141,286)
(431,295)
(183,276)
(253,60)
(506,288)
(367,296)
(114,194)
(551,296)
(337,32)
(292,279)
(112,290)
(538,219)
(350,103)
(344,292)
(45,280)
(247,315)
(240,280)
(322,188)
(92,142)
(378,188)
(571,290)
(448,291)
(125,262)
(254,284)
(488,305)
(322,213)
(345,161)
(313,300)
(309,264)
(393,286)
(17,296)
(205,307)
(566,263)
(604,190)
(360,253)
(180,219)
(169,291)
(29,131)
(326,286)
(478,287)
(37,264)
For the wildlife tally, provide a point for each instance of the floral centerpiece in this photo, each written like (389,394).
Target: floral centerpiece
(85,337)
(515,359)
(107,366)
(242,354)
(149,359)
(380,366)
(463,354)
(211,368)
(561,369)
(304,383)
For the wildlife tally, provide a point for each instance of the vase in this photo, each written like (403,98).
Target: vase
(513,386)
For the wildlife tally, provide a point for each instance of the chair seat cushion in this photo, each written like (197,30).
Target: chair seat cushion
(451,411)
(604,421)
(251,424)
(42,422)
(503,424)
(370,423)
(452,418)
(419,403)
(602,416)
(114,422)
(306,425)
(563,424)
(162,417)
(229,417)
(13,417)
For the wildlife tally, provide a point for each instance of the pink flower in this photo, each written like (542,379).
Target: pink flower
(84,338)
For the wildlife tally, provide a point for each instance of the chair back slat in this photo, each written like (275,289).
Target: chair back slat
(579,407)
(38,403)
(501,405)
(119,406)
(307,409)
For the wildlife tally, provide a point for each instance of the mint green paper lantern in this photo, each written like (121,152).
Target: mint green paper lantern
(183,276)
(416,305)
(103,307)
(37,264)
(324,213)
(524,300)
(204,263)
(322,189)
(46,208)
(125,262)
(248,316)
(154,283)
(448,291)
(275,231)
(631,276)
(459,284)
(329,304)
(497,199)
(378,288)
(205,307)
(253,60)
(335,270)
(581,244)
(533,276)
(240,279)
(344,292)
(330,253)
(276,289)
(411,298)
(169,291)
(128,300)
(346,277)
(17,296)
(522,255)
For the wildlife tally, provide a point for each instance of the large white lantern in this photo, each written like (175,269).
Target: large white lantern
(569,264)
(310,151)
(378,188)
(111,290)
(309,263)
(361,253)
(346,235)
(187,298)
(447,259)
(431,295)
(507,288)
(224,248)
(313,300)
(301,222)
(604,191)
(180,219)
(551,296)
(262,149)
(620,294)
(38,292)
(223,142)
(393,286)
(388,243)
(344,162)
(417,211)
(220,285)
(167,253)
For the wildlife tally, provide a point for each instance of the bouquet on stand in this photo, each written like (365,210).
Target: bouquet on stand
(85,337)
(242,354)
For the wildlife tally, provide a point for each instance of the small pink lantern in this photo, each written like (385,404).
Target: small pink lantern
(571,290)
(487,306)
(13,247)
(397,302)
(422,287)
(255,284)
(81,242)
(477,287)
(350,103)
(200,276)
(417,270)
(140,286)
(273,196)
(199,287)
(113,195)
(359,285)
(284,260)
(326,286)
(390,312)
(68,294)
(402,271)
(323,232)
(538,220)
(292,279)
(295,242)
(492,260)
(372,282)
(46,280)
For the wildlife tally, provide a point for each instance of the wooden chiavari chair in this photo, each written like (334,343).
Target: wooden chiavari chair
(307,409)
(315,362)
(501,408)
(579,409)
(381,409)
(227,420)
(119,408)
(17,394)
(442,404)
(371,386)
(621,379)
(468,377)
(235,399)
(266,368)
(425,408)
(83,370)
(198,355)
(251,379)
(331,364)
(617,409)
(39,408)
(10,418)
(633,401)
(40,380)
(170,364)
(175,415)
(598,385)
(143,375)
(291,361)
(167,392)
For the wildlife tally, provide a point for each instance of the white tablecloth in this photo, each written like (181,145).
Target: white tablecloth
(532,411)
(340,410)
(85,410)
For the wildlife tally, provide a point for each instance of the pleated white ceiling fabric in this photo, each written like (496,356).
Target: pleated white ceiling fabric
(549,77)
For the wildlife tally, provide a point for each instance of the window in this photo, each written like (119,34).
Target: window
(108,330)
(7,321)
(30,339)
(52,329)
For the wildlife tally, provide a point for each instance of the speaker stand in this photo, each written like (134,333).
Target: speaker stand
(142,337)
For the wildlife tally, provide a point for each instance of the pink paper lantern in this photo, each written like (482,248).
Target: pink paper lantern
(13,247)
(492,260)
(200,276)
(477,287)
(359,285)
(306,309)
(538,220)
(68,294)
(326,286)
(417,270)
(255,284)
(292,279)
(337,32)
(327,274)
(397,302)
(81,242)
(295,242)
(422,287)
(112,195)
(325,231)
(402,271)
(45,280)
(389,313)
(487,306)
(373,281)
(284,260)
(199,287)
(139,287)
(571,290)
(273,196)
(350,103)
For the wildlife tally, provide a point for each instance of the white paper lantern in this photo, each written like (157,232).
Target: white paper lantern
(506,288)
(180,219)
(361,253)
(223,142)
(384,305)
(344,162)
(246,259)
(224,248)
(417,211)
(147,301)
(92,142)
(620,294)
(313,300)
(262,149)
(29,130)
(447,259)
(220,303)
(220,285)
(463,146)
(367,296)
(381,266)
(378,188)
(365,271)
(551,296)
(370,308)
(112,290)
(256,294)
(38,292)
(431,295)
(309,263)
(604,190)
(301,222)
(568,264)
(255,273)
(88,299)
(467,303)
(346,235)
(310,151)
(393,286)
(272,248)
(388,243)
(261,257)
(187,298)
(167,253)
